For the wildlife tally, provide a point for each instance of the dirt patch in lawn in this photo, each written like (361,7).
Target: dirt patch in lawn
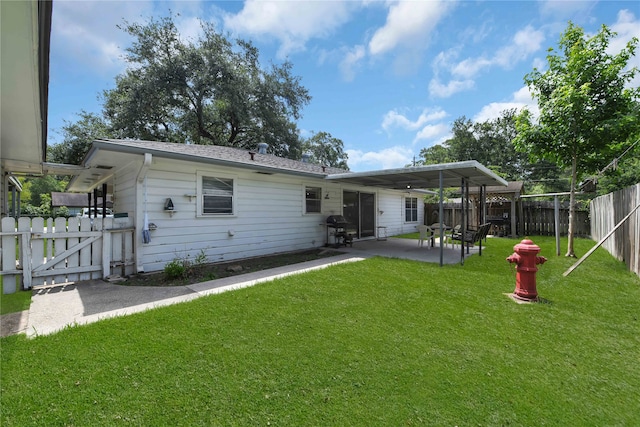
(204,272)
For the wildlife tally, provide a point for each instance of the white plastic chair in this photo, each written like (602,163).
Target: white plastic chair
(425,234)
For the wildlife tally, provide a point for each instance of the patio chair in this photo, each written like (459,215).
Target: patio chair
(455,231)
(425,234)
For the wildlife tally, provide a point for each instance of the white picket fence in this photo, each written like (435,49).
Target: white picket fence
(39,252)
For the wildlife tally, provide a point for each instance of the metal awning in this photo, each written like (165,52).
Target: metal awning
(440,176)
(424,176)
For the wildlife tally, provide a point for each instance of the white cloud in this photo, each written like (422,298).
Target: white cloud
(395,119)
(562,9)
(519,99)
(524,43)
(292,23)
(431,132)
(351,62)
(388,158)
(408,23)
(440,90)
(86,33)
(540,64)
(627,27)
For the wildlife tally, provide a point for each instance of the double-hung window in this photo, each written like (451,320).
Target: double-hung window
(313,199)
(411,209)
(216,195)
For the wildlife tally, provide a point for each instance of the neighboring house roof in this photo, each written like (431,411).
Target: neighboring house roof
(74,200)
(100,167)
(24,66)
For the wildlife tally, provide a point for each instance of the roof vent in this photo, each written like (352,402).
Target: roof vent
(262,148)
(306,157)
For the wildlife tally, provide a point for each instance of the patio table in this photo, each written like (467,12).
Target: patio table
(435,228)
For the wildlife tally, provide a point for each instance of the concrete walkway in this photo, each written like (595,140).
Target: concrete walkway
(57,307)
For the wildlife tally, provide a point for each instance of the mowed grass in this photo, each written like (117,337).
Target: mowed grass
(17,301)
(377,342)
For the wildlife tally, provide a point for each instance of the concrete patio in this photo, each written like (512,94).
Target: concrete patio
(407,249)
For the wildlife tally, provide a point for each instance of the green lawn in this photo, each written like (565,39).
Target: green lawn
(10,303)
(378,342)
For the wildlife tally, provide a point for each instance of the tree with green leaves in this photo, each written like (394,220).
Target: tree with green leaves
(587,109)
(490,143)
(326,150)
(434,155)
(207,91)
(77,138)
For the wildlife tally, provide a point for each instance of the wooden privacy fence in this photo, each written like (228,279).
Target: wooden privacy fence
(538,219)
(37,252)
(534,218)
(606,212)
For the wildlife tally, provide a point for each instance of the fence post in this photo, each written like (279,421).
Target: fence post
(8,255)
(24,226)
(26,260)
(106,253)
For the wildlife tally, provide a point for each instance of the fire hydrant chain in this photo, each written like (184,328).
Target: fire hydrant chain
(526,258)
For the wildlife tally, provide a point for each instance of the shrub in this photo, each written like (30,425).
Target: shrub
(176,269)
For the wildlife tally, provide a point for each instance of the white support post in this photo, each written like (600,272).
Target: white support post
(9,255)
(106,254)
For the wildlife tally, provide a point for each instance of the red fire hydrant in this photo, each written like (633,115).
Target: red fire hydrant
(526,261)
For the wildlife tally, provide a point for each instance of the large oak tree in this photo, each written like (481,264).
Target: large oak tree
(209,90)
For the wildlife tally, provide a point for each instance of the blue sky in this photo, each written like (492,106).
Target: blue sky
(388,78)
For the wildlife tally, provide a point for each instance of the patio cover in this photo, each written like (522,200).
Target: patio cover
(440,176)
(424,176)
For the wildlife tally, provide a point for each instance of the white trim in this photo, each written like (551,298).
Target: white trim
(304,199)
(404,209)
(234,201)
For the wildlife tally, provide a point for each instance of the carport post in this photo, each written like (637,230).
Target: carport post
(104,200)
(556,218)
(441,216)
(463,223)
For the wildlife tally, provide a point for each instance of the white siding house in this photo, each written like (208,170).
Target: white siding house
(231,204)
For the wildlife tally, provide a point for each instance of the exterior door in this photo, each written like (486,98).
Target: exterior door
(359,210)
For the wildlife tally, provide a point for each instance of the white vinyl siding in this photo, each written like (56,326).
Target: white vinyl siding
(268,212)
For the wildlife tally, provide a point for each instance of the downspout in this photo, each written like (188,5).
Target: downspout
(140,179)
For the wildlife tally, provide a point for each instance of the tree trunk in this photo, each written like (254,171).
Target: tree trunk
(572,203)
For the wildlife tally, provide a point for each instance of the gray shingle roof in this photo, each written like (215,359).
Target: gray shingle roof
(217,154)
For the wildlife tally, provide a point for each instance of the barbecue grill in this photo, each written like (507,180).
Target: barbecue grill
(337,226)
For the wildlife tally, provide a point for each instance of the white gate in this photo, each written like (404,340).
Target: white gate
(41,252)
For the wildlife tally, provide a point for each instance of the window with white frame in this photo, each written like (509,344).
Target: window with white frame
(215,195)
(411,209)
(313,199)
